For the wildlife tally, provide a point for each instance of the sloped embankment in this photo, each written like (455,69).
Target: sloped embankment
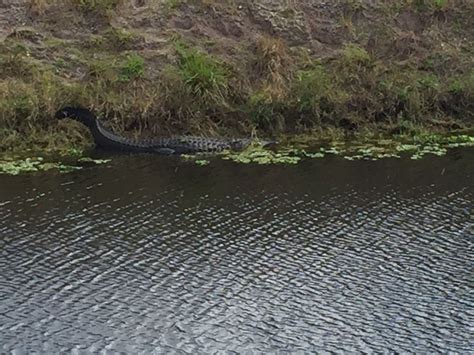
(234,66)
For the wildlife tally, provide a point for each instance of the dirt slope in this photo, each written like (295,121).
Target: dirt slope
(207,66)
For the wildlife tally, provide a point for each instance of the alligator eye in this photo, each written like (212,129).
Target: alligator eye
(61,114)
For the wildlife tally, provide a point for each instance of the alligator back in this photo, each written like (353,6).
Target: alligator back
(166,145)
(107,139)
(193,144)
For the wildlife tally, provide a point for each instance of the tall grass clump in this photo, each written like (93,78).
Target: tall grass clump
(27,113)
(273,68)
(356,90)
(132,68)
(409,95)
(38,7)
(205,77)
(459,98)
(430,5)
(192,95)
(97,5)
(265,113)
(115,70)
(15,62)
(356,73)
(119,38)
(316,95)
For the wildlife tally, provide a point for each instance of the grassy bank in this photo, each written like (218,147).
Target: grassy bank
(384,81)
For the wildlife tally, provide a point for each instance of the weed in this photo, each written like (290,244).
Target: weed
(355,55)
(205,77)
(273,65)
(132,68)
(173,4)
(103,69)
(100,6)
(314,92)
(459,98)
(265,112)
(117,38)
(16,61)
(38,7)
(111,70)
(430,5)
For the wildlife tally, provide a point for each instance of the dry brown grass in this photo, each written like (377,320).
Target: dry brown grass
(38,7)
(273,64)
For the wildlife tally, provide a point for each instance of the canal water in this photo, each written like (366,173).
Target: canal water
(150,254)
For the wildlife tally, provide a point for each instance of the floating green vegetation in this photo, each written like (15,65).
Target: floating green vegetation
(16,165)
(260,155)
(417,148)
(373,150)
(73,152)
(202,162)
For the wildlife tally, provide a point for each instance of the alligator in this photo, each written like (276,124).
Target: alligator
(106,139)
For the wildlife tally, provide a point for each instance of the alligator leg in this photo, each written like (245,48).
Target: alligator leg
(165,151)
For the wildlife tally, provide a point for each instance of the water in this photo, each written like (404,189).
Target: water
(150,254)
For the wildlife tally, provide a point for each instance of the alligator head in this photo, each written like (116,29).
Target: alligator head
(82,115)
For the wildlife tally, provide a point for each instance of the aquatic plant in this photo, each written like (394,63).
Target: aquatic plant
(370,150)
(13,165)
(202,162)
(16,167)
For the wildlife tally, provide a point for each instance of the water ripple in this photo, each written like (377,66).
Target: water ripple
(155,256)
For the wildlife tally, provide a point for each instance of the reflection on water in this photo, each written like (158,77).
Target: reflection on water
(150,254)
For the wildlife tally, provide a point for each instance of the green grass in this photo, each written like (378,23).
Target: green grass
(354,55)
(114,69)
(119,38)
(206,77)
(315,93)
(265,112)
(132,68)
(427,5)
(173,4)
